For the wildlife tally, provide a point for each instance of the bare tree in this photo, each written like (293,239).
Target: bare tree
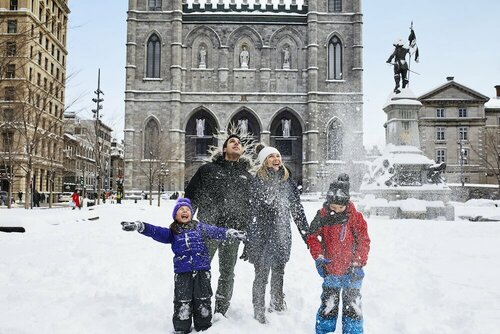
(490,156)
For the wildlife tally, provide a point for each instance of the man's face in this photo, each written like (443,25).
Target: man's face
(233,147)
(337,208)
(183,215)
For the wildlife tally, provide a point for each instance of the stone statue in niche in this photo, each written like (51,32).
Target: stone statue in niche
(286,58)
(203,58)
(200,127)
(244,57)
(243,126)
(286,124)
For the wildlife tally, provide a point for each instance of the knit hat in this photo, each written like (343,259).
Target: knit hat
(339,191)
(227,140)
(265,152)
(180,203)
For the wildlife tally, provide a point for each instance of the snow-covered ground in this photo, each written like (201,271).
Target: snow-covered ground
(65,275)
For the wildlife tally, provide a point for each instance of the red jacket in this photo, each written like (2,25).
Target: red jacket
(76,198)
(325,239)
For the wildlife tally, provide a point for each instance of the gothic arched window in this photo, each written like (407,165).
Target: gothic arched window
(151,139)
(335,137)
(335,59)
(153,57)
(334,5)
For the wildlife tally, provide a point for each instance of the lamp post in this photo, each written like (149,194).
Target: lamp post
(461,154)
(98,100)
(162,173)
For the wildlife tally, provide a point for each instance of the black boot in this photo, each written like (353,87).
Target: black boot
(259,313)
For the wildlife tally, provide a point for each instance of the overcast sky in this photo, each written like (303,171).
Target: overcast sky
(457,39)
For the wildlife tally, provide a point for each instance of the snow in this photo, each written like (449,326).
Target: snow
(65,275)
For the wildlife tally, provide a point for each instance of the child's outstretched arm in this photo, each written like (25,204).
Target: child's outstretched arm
(221,233)
(158,233)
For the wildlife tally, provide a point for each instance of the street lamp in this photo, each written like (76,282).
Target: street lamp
(162,174)
(98,100)
(461,154)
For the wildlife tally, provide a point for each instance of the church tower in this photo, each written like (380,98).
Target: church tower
(287,72)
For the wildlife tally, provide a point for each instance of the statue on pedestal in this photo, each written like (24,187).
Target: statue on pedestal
(244,57)
(286,58)
(203,58)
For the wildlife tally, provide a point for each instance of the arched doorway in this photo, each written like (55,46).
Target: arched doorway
(247,125)
(286,136)
(200,135)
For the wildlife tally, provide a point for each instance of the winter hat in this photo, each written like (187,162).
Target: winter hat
(227,140)
(265,152)
(339,191)
(180,203)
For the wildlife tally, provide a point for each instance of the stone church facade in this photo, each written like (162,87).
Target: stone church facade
(289,74)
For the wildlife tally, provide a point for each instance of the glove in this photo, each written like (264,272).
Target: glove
(357,273)
(133,226)
(321,262)
(244,255)
(236,235)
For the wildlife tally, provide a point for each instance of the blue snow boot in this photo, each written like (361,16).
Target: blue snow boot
(325,325)
(352,326)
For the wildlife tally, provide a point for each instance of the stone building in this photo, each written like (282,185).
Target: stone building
(452,124)
(492,138)
(288,73)
(32,86)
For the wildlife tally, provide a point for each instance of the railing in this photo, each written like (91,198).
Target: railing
(299,6)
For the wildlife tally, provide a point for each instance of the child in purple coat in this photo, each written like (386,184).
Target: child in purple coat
(192,289)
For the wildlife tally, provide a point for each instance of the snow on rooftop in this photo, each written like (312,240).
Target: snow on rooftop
(494,102)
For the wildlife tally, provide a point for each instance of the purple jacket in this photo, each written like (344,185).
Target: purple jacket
(190,250)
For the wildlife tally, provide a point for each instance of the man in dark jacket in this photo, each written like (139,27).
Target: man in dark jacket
(219,190)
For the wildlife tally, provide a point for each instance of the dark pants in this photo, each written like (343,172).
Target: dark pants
(192,299)
(259,286)
(228,255)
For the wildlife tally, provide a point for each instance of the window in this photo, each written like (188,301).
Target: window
(11,26)
(13,4)
(153,57)
(154,5)
(11,49)
(151,140)
(10,93)
(7,141)
(462,112)
(10,71)
(440,112)
(440,133)
(440,155)
(462,134)
(335,59)
(334,5)
(335,142)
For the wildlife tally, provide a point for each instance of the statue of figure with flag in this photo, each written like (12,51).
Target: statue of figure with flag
(401,67)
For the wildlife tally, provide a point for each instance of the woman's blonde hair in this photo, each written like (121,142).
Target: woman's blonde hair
(263,171)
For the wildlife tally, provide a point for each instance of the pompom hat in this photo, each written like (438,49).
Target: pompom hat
(265,152)
(180,203)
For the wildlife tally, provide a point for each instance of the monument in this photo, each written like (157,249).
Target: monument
(403,182)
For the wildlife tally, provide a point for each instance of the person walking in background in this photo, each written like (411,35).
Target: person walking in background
(274,198)
(20,196)
(36,199)
(219,191)
(192,286)
(75,200)
(339,243)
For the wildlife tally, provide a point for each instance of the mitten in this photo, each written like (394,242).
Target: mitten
(321,263)
(357,273)
(133,226)
(236,235)
(244,255)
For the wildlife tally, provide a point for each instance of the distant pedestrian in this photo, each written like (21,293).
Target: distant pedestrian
(75,198)
(20,196)
(36,199)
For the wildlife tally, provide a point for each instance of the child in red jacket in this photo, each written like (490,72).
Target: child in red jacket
(339,243)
